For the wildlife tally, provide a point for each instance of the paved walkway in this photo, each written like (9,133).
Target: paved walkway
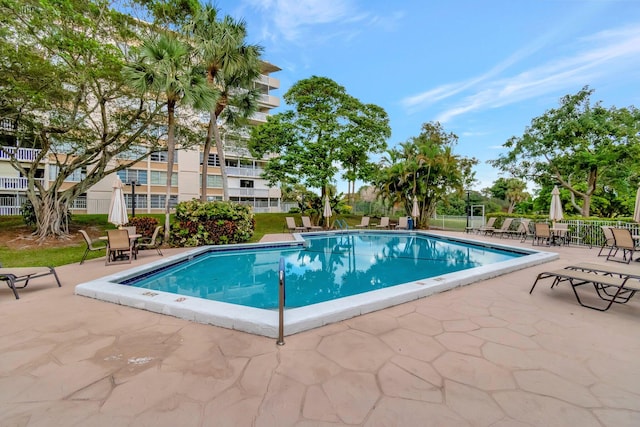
(488,354)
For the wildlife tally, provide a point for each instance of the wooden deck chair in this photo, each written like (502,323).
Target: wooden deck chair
(152,242)
(488,227)
(14,275)
(608,239)
(306,223)
(118,245)
(622,240)
(364,222)
(291,225)
(92,245)
(505,228)
(542,233)
(384,222)
(403,223)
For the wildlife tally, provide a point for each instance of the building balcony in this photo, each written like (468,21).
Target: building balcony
(21,154)
(15,183)
(248,192)
(258,117)
(268,81)
(269,101)
(236,171)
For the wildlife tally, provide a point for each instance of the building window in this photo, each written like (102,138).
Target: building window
(213,181)
(141,200)
(163,156)
(160,178)
(246,183)
(157,201)
(213,160)
(137,175)
(76,176)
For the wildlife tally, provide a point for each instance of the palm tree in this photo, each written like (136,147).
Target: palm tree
(231,67)
(165,68)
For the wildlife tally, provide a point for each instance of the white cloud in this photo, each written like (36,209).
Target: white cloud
(600,55)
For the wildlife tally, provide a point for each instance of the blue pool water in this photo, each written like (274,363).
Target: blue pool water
(327,267)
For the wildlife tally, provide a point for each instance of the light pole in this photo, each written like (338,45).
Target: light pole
(133,185)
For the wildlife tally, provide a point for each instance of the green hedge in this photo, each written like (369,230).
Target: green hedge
(211,223)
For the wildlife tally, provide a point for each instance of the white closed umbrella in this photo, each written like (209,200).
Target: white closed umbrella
(555,212)
(326,212)
(415,211)
(118,208)
(636,211)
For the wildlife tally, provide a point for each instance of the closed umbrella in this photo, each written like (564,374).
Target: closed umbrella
(555,212)
(415,211)
(326,213)
(118,208)
(636,211)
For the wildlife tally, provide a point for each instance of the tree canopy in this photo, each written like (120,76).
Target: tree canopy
(426,168)
(327,130)
(582,147)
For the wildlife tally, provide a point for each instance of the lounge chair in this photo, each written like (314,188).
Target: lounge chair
(92,245)
(364,222)
(505,228)
(384,222)
(118,246)
(403,223)
(609,240)
(488,227)
(542,233)
(291,225)
(152,242)
(525,230)
(602,279)
(306,223)
(622,240)
(14,275)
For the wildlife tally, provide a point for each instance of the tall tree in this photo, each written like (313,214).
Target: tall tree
(324,130)
(232,66)
(511,190)
(62,90)
(165,67)
(576,145)
(424,167)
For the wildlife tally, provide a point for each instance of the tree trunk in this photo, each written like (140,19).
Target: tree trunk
(223,165)
(205,157)
(51,217)
(170,159)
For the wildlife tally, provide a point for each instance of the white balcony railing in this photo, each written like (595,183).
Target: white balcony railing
(251,192)
(272,101)
(235,171)
(259,117)
(15,183)
(21,154)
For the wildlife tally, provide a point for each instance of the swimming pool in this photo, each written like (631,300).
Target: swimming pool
(370,270)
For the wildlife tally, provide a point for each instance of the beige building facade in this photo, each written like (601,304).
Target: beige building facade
(145,181)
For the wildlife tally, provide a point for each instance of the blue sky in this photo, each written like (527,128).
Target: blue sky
(483,68)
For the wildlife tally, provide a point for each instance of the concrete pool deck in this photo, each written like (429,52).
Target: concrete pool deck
(488,354)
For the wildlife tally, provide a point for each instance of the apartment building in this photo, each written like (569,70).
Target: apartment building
(145,181)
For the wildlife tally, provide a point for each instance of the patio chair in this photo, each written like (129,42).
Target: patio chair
(92,245)
(118,246)
(291,225)
(542,233)
(525,230)
(625,285)
(152,242)
(488,227)
(14,275)
(608,238)
(622,240)
(306,223)
(384,222)
(364,222)
(504,228)
(403,223)
(131,229)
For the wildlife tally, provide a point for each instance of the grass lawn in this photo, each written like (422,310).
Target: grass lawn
(19,249)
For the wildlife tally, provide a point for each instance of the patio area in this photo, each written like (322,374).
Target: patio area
(488,354)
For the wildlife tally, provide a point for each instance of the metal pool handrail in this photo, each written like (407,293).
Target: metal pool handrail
(281,303)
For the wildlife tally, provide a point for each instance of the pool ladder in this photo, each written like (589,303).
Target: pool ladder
(340,223)
(281,303)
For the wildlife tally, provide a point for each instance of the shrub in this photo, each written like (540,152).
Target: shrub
(145,225)
(211,223)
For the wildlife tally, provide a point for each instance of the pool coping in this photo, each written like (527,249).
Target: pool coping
(265,322)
